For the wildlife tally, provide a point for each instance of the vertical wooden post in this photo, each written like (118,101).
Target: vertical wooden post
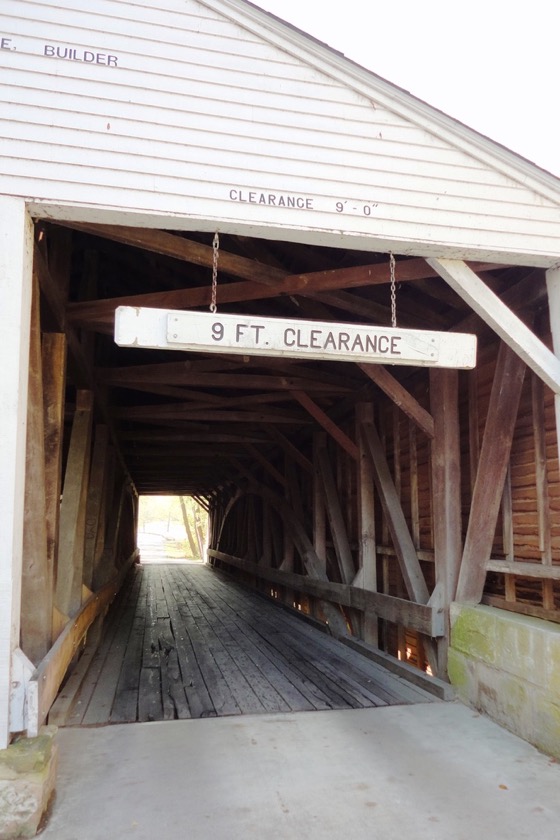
(414,501)
(397,471)
(276,539)
(73,509)
(366,523)
(336,520)
(107,505)
(16,249)
(446,479)
(253,544)
(37,572)
(474,437)
(541,484)
(507,534)
(54,383)
(553,288)
(107,565)
(94,500)
(319,513)
(266,556)
(293,497)
(446,492)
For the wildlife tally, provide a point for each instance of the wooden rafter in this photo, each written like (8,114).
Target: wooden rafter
(186,250)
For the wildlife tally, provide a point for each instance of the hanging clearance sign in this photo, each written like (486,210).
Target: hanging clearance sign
(294,339)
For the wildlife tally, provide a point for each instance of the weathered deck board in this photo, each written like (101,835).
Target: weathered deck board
(116,613)
(103,694)
(184,641)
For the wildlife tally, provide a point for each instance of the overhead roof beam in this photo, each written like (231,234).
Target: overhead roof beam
(186,250)
(99,314)
(126,377)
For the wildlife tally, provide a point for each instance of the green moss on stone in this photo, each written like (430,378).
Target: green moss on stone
(28,755)
(457,670)
(514,697)
(547,725)
(553,665)
(474,634)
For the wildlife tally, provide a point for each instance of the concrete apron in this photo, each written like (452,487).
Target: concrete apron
(427,772)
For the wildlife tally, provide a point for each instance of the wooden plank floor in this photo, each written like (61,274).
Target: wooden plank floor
(183,641)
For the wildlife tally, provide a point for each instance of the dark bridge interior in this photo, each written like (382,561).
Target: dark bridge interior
(343,490)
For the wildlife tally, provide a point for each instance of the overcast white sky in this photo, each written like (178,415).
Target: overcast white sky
(492,64)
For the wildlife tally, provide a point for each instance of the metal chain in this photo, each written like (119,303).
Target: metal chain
(215,255)
(393,291)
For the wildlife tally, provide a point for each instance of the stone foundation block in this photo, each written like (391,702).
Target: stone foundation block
(27,782)
(508,666)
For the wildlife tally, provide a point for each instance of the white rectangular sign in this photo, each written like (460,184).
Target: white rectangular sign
(294,339)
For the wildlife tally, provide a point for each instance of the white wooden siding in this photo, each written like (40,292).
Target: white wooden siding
(204,100)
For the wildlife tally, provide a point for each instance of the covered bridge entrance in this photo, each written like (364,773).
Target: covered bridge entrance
(412,511)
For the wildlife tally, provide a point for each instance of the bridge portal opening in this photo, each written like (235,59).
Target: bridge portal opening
(171,529)
(340,488)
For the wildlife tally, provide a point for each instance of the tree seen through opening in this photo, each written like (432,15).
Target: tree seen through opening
(171,528)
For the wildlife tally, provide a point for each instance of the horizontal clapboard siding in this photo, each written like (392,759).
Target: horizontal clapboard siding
(198,105)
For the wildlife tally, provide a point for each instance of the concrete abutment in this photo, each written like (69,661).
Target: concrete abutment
(508,666)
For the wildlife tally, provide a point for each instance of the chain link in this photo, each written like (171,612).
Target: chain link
(393,291)
(215,255)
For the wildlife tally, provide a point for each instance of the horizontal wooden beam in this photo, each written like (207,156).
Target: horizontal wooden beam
(100,314)
(523,609)
(173,375)
(143,413)
(521,569)
(438,687)
(419,617)
(47,677)
(172,438)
